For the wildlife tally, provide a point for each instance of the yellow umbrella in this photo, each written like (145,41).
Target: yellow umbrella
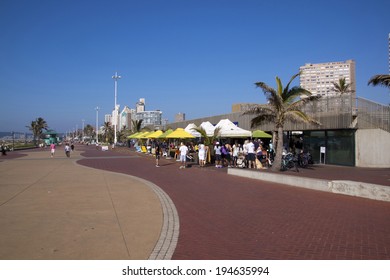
(164,135)
(180,133)
(146,135)
(155,134)
(134,135)
(138,136)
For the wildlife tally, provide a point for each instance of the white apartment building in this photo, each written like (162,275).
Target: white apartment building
(318,78)
(125,117)
(107,118)
(140,105)
(150,118)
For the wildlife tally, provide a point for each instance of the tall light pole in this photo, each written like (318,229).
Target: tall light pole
(116,78)
(97,124)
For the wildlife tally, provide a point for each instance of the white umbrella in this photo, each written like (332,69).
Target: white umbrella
(190,129)
(229,129)
(208,127)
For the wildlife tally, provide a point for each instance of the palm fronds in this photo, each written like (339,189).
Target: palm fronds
(380,80)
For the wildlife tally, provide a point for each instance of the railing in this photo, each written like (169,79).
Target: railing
(333,112)
(373,115)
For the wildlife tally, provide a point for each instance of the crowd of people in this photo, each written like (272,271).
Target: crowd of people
(247,154)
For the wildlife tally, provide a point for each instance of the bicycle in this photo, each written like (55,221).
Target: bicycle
(289,161)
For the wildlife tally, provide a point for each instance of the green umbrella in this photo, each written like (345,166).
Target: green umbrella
(260,134)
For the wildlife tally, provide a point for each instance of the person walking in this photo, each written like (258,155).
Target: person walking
(158,154)
(251,154)
(67,150)
(218,155)
(52,149)
(236,151)
(202,155)
(183,155)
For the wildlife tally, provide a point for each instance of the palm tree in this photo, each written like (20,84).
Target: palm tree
(34,129)
(42,124)
(37,127)
(342,88)
(208,140)
(108,132)
(89,130)
(380,80)
(136,125)
(283,104)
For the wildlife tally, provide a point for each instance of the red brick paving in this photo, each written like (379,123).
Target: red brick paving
(228,217)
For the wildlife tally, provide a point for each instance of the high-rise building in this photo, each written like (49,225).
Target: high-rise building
(179,117)
(125,117)
(150,118)
(318,78)
(107,118)
(115,117)
(140,105)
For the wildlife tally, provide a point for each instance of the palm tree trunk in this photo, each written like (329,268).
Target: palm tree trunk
(279,151)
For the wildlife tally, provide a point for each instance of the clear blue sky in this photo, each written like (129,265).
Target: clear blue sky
(197,57)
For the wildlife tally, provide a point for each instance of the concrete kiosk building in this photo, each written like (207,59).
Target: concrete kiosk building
(353,131)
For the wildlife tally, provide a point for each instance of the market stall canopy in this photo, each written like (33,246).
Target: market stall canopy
(190,129)
(155,134)
(229,129)
(260,134)
(166,133)
(180,133)
(146,135)
(132,136)
(208,127)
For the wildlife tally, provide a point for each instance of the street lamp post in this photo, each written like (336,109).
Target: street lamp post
(97,124)
(116,78)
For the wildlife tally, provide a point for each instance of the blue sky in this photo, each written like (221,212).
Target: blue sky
(193,56)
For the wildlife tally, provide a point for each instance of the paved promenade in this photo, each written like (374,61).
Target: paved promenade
(220,216)
(52,208)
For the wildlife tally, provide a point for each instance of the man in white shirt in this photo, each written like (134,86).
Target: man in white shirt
(251,154)
(183,155)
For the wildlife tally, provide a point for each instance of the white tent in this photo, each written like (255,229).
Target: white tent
(208,127)
(190,130)
(229,129)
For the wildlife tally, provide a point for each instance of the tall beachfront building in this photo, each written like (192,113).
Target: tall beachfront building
(140,105)
(318,78)
(126,117)
(179,117)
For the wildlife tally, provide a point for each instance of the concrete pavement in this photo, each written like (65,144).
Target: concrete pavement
(231,217)
(65,210)
(52,208)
